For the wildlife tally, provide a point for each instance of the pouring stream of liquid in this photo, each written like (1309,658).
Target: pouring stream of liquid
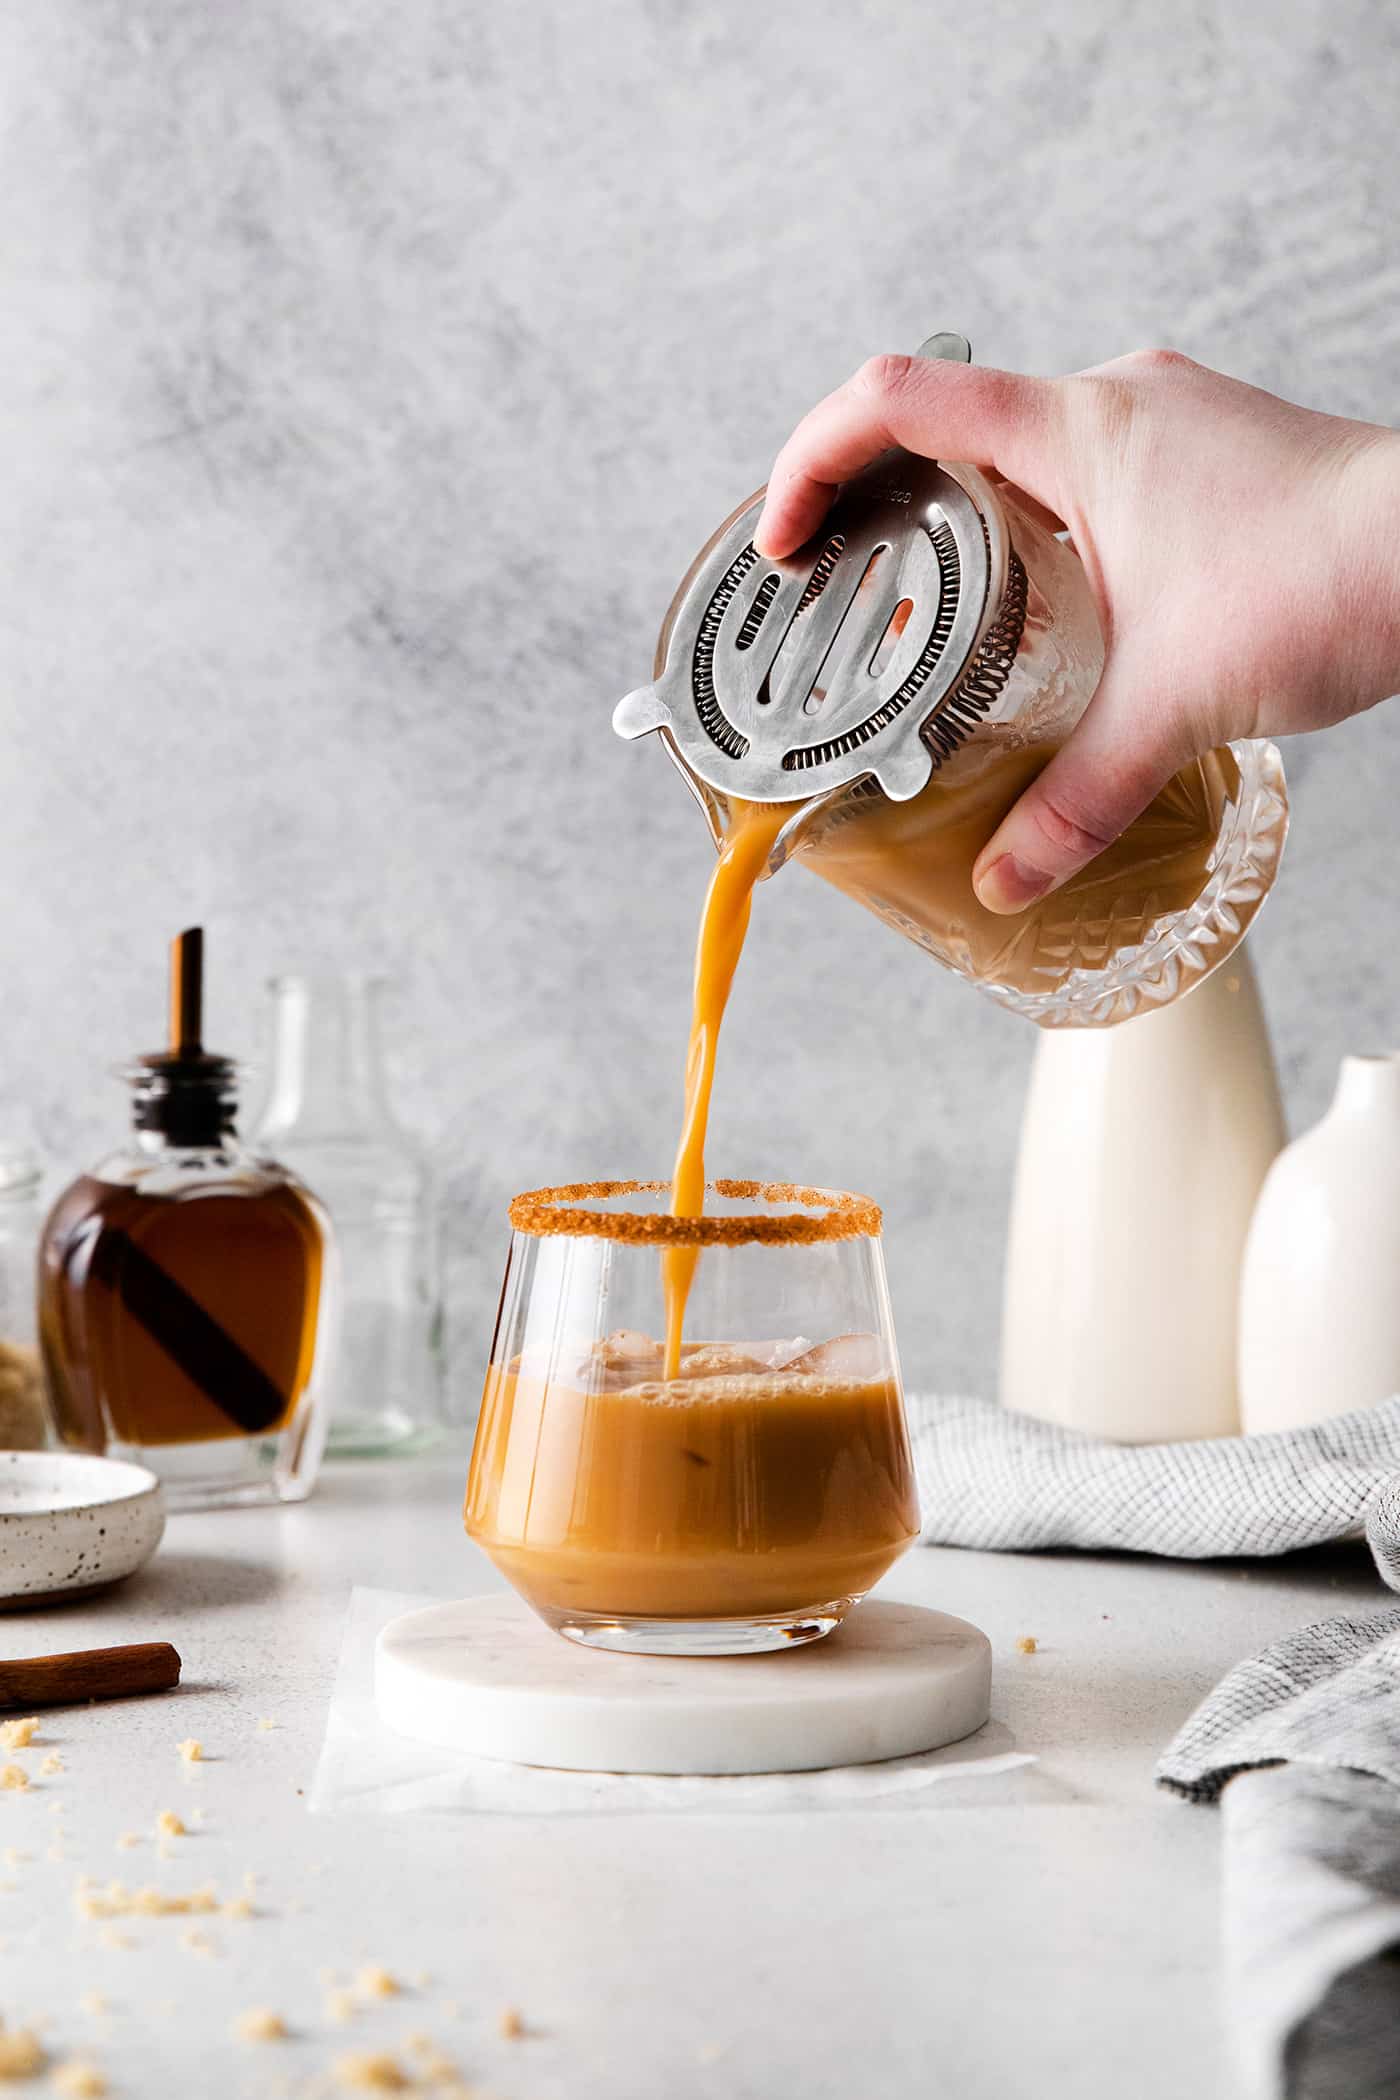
(753,831)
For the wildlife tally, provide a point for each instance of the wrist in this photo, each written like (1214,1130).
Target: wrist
(1367,561)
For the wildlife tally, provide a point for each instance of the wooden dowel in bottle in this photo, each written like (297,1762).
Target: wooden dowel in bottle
(92,1673)
(187,992)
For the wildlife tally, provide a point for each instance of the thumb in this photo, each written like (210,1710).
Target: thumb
(1124,750)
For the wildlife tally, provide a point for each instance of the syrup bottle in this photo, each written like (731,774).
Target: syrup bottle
(183,1288)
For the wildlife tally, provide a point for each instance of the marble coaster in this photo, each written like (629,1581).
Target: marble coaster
(483,1675)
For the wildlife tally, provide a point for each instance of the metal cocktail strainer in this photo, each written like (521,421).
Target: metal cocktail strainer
(870,654)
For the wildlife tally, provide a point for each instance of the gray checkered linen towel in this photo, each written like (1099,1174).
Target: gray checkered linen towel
(1303,1744)
(1003,1481)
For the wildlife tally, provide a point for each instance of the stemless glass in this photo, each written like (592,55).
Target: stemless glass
(744,1505)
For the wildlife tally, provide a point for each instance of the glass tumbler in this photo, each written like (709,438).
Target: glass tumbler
(749,1502)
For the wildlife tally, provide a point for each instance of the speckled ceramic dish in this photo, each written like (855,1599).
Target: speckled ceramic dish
(72,1522)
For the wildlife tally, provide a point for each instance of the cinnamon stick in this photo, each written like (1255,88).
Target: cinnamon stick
(93,1673)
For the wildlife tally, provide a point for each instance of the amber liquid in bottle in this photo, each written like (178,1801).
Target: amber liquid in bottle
(182,1287)
(178,1319)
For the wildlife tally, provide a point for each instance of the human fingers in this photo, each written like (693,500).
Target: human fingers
(929,406)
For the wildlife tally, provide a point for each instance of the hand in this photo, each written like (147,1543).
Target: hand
(1241,552)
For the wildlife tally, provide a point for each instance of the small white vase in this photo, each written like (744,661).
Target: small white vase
(1320,1291)
(1143,1149)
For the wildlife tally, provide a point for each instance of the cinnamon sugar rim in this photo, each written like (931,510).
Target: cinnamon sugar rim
(545,1213)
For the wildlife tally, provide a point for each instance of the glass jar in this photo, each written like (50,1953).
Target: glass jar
(745,1504)
(327,1114)
(23,1415)
(1141,924)
(186,1296)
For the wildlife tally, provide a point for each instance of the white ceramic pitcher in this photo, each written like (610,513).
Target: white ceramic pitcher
(1143,1149)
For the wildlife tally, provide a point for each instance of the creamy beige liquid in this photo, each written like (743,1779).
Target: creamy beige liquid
(733,1490)
(912,863)
(724,921)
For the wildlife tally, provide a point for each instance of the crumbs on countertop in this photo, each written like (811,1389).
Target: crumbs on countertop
(364,2072)
(19,1733)
(52,1765)
(372,1981)
(118,1901)
(510,2025)
(191,1750)
(169,1825)
(261,2024)
(21,2053)
(13,1779)
(79,2080)
(1027,1644)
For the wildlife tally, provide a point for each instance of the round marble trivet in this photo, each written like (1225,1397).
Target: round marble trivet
(483,1675)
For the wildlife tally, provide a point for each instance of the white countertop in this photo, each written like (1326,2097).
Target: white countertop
(1062,1946)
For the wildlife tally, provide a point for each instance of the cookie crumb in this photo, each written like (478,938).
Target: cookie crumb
(18,1735)
(128,1841)
(372,2074)
(266,1722)
(169,1825)
(510,2026)
(239,1907)
(441,2073)
(79,2080)
(1027,1644)
(261,2024)
(94,2004)
(191,1750)
(52,1765)
(340,2006)
(375,1982)
(14,1857)
(110,1937)
(196,1941)
(21,2053)
(13,1778)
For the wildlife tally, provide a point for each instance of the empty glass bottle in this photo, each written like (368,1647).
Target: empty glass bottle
(327,1115)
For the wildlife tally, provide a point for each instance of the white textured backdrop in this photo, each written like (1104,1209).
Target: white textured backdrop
(369,371)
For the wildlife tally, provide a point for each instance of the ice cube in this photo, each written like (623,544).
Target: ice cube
(626,1357)
(720,1360)
(856,1359)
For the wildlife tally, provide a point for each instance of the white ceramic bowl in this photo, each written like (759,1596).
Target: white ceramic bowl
(69,1521)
